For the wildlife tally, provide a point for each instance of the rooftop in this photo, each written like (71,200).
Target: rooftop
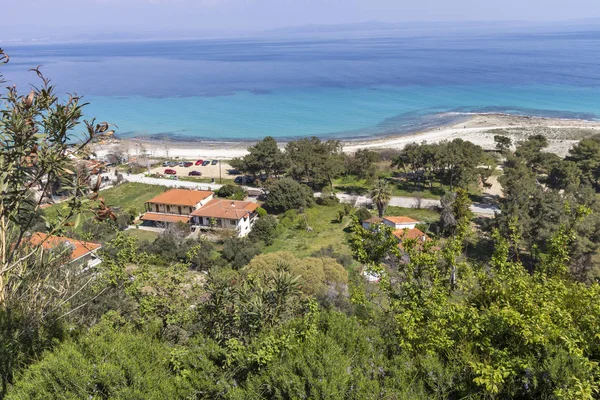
(401,220)
(373,220)
(414,233)
(181,197)
(158,217)
(222,208)
(49,242)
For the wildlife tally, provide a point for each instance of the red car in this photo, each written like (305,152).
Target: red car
(188,164)
(199,162)
(170,171)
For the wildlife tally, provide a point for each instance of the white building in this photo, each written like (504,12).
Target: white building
(226,214)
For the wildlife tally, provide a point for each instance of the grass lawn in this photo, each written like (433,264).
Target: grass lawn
(125,196)
(142,235)
(326,231)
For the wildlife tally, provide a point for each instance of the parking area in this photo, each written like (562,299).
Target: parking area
(220,169)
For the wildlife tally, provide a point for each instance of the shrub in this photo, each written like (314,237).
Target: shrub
(232,192)
(264,230)
(240,251)
(261,212)
(363,213)
(287,194)
(322,277)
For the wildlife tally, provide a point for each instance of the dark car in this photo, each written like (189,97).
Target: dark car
(195,173)
(188,164)
(244,180)
(205,163)
(215,162)
(199,162)
(170,171)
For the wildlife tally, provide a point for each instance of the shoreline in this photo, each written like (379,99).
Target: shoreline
(477,128)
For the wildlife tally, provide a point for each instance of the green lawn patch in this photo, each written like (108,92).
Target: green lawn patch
(125,196)
(326,231)
(142,234)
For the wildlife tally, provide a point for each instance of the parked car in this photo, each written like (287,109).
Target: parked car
(195,173)
(199,162)
(215,162)
(188,164)
(172,163)
(170,171)
(181,164)
(233,171)
(205,163)
(165,164)
(244,180)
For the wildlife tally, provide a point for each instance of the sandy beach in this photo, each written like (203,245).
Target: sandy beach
(479,129)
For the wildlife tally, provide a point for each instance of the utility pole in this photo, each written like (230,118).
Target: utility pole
(220,173)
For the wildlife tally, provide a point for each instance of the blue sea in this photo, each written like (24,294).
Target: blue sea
(348,88)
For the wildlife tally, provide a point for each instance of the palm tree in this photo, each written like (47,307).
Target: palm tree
(381,195)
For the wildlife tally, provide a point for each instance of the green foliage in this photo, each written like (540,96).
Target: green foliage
(261,212)
(287,194)
(381,194)
(264,230)
(363,213)
(362,164)
(315,162)
(100,365)
(264,157)
(232,192)
(239,251)
(321,277)
(503,143)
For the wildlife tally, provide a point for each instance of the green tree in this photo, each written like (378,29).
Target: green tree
(315,162)
(381,194)
(287,194)
(264,230)
(503,143)
(586,154)
(264,158)
(232,192)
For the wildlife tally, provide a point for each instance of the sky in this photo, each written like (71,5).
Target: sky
(26,19)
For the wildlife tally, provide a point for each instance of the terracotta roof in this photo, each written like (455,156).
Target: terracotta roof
(181,197)
(414,233)
(373,220)
(150,216)
(49,242)
(401,220)
(222,208)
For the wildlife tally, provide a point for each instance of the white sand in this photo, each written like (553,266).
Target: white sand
(561,133)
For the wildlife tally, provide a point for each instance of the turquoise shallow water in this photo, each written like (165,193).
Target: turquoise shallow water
(349,113)
(345,88)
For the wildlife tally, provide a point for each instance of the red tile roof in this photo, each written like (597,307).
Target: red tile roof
(181,197)
(150,216)
(401,220)
(49,242)
(414,233)
(222,208)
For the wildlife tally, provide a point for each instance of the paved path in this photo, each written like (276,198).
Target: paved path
(413,202)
